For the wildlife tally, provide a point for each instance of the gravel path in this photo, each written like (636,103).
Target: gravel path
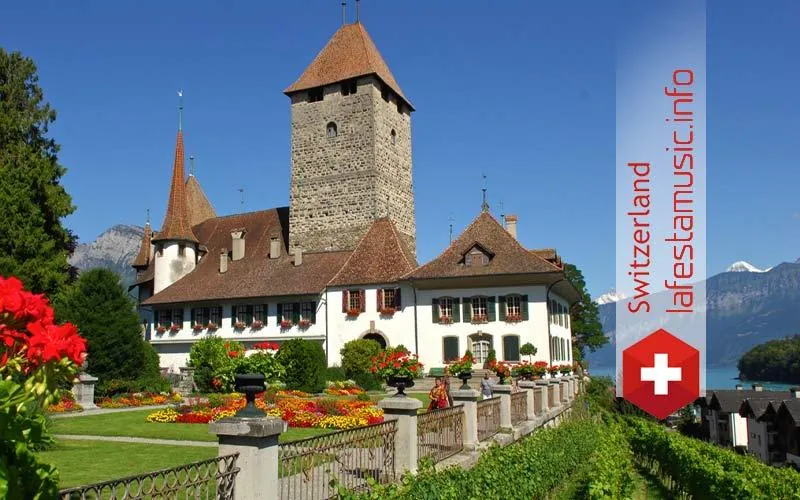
(103,411)
(124,439)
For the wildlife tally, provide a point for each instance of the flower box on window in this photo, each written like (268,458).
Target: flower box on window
(257,325)
(212,326)
(175,328)
(285,324)
(197,328)
(353,313)
(161,329)
(387,311)
(513,318)
(479,318)
(239,325)
(445,320)
(304,323)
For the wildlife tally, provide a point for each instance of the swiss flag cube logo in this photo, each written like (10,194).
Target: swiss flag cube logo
(661,374)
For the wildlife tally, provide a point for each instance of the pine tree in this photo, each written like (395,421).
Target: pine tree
(98,305)
(34,245)
(584,316)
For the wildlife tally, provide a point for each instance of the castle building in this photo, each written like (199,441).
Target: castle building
(339,263)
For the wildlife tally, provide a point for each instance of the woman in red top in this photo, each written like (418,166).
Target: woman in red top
(438,395)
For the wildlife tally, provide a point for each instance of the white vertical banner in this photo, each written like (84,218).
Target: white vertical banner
(660,192)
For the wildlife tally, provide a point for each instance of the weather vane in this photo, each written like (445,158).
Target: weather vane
(484,205)
(180,110)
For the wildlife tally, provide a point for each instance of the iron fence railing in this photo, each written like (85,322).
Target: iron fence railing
(439,433)
(488,418)
(203,480)
(519,407)
(308,467)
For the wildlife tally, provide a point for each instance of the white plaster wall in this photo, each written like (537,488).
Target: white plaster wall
(170,267)
(534,330)
(756,446)
(738,429)
(397,329)
(561,332)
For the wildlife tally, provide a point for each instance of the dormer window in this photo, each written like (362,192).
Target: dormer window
(331,130)
(315,95)
(476,257)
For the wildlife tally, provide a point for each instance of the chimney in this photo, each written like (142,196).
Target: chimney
(298,256)
(274,248)
(223,260)
(795,391)
(758,387)
(739,387)
(511,225)
(237,248)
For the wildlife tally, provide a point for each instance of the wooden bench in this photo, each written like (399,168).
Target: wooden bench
(436,372)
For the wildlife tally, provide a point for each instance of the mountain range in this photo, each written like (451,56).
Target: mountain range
(114,249)
(746,306)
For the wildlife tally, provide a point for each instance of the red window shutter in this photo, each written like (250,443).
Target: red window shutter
(344,300)
(397,303)
(363,296)
(380,299)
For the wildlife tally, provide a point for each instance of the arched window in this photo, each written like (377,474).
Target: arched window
(394,137)
(331,130)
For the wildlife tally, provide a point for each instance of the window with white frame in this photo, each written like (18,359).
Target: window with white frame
(479,307)
(354,300)
(446,307)
(165,318)
(258,313)
(287,312)
(241,314)
(388,298)
(177,317)
(513,305)
(214,315)
(200,316)
(307,311)
(480,351)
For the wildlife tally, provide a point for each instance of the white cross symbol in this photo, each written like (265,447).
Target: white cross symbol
(661,374)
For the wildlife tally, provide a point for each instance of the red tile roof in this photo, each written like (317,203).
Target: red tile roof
(176,224)
(507,255)
(350,53)
(143,257)
(380,257)
(197,203)
(255,275)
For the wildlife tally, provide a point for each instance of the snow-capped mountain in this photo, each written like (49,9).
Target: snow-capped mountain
(745,267)
(609,297)
(114,249)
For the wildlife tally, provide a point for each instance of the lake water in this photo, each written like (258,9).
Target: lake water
(716,378)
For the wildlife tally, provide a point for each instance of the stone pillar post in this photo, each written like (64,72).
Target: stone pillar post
(528,386)
(83,390)
(404,410)
(563,390)
(554,398)
(543,393)
(186,385)
(504,391)
(469,399)
(256,441)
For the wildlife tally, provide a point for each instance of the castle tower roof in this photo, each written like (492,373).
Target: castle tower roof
(176,226)
(349,53)
(197,203)
(142,259)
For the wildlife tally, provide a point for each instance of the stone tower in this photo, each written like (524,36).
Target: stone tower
(351,147)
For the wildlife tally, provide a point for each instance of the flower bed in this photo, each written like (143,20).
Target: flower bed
(65,404)
(343,388)
(325,413)
(138,399)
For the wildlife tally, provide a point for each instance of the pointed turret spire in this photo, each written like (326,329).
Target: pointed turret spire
(142,259)
(176,226)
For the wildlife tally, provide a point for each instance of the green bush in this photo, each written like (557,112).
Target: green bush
(113,387)
(207,356)
(216,361)
(304,362)
(357,358)
(152,362)
(368,381)
(335,374)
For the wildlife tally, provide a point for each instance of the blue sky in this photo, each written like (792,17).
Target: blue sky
(521,91)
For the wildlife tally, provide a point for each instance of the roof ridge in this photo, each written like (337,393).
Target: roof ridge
(400,244)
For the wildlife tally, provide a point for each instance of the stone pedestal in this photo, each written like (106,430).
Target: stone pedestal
(543,394)
(186,384)
(404,410)
(563,390)
(468,398)
(504,391)
(83,389)
(256,441)
(554,397)
(529,387)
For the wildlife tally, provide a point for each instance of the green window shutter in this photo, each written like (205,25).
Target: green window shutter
(491,314)
(193,315)
(280,313)
(313,312)
(502,308)
(249,315)
(456,309)
(296,313)
(207,314)
(524,307)
(450,345)
(511,348)
(380,299)
(435,310)
(397,302)
(467,310)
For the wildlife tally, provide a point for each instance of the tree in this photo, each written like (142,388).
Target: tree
(98,305)
(584,315)
(529,350)
(34,245)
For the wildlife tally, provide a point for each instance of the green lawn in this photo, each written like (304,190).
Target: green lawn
(132,424)
(83,462)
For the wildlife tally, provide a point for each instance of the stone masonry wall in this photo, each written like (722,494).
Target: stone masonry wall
(341,184)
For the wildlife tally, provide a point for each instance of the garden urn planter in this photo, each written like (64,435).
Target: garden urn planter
(400,383)
(464,376)
(250,384)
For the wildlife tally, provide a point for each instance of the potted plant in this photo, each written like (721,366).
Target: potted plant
(211,326)
(286,324)
(513,318)
(462,369)
(539,369)
(524,370)
(161,329)
(387,311)
(353,313)
(491,359)
(479,318)
(553,370)
(175,328)
(445,320)
(304,323)
(501,369)
(239,325)
(398,368)
(257,325)
(529,350)
(197,328)
(565,369)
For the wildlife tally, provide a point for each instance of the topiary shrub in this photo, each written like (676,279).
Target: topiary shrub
(335,374)
(152,362)
(357,358)
(304,362)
